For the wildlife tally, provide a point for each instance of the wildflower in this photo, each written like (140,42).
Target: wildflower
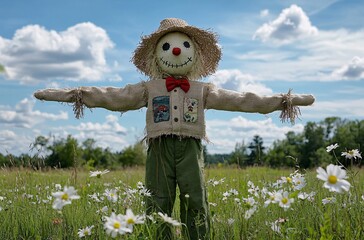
(253,190)
(284,200)
(187,195)
(83,232)
(308,196)
(298,182)
(131,219)
(362,197)
(272,198)
(249,202)
(354,153)
(57,186)
(145,192)
(230,221)
(234,192)
(115,225)
(111,195)
(103,210)
(275,227)
(286,180)
(169,219)
(250,212)
(140,185)
(328,200)
(64,197)
(332,147)
(334,178)
(95,197)
(215,204)
(98,173)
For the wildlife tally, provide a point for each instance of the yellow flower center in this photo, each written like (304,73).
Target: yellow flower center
(272,197)
(116,225)
(332,179)
(289,179)
(64,197)
(86,232)
(130,221)
(284,200)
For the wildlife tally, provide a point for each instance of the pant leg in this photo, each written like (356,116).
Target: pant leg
(190,179)
(160,179)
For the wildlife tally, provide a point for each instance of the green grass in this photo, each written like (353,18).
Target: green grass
(27,211)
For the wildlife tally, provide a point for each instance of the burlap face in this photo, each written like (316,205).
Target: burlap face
(205,41)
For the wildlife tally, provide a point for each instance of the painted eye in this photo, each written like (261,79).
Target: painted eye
(186,44)
(166,46)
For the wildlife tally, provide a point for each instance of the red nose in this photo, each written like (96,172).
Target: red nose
(176,51)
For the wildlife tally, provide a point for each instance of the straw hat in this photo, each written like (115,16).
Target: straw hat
(205,41)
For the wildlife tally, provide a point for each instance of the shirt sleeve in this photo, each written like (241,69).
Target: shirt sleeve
(131,97)
(222,99)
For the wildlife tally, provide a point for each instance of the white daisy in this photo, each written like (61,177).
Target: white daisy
(83,232)
(309,196)
(98,173)
(111,195)
(354,153)
(115,225)
(250,212)
(332,147)
(284,200)
(272,198)
(168,219)
(328,200)
(64,197)
(334,178)
(131,219)
(299,182)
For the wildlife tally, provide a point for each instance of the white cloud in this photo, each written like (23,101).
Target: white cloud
(234,79)
(291,24)
(36,54)
(110,125)
(264,13)
(11,142)
(353,70)
(24,116)
(109,134)
(343,108)
(224,134)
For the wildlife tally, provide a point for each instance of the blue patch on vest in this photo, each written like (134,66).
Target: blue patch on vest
(161,110)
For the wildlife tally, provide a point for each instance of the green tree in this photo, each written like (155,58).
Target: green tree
(133,155)
(349,135)
(240,155)
(65,153)
(256,155)
(314,139)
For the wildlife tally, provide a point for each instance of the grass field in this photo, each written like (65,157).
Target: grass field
(244,204)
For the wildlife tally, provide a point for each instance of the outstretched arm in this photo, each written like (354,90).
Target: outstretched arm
(222,99)
(130,97)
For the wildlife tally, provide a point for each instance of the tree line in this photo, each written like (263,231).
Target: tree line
(306,150)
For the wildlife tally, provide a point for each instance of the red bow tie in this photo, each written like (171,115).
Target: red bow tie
(172,83)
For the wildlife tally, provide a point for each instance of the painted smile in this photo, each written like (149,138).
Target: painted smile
(169,64)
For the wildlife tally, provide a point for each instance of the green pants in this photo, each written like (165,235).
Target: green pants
(173,161)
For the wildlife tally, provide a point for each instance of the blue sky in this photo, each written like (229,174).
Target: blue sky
(268,47)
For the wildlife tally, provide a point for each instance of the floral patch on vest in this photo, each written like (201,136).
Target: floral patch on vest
(190,108)
(161,110)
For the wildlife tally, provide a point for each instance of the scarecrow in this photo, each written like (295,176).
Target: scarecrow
(175,58)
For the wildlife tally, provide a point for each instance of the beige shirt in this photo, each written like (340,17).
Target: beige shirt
(174,112)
